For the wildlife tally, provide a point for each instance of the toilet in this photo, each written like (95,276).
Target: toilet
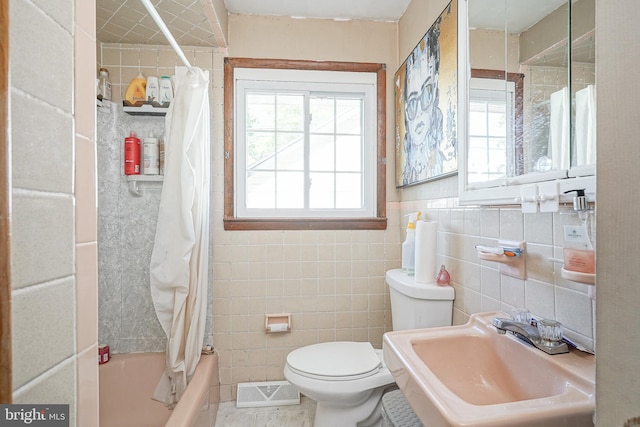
(347,379)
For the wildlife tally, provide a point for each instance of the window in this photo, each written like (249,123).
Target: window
(304,145)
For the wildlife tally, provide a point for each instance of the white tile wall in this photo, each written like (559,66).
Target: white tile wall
(42,234)
(479,285)
(42,65)
(43,149)
(57,385)
(44,326)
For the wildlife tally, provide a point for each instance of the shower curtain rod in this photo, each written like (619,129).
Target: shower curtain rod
(165,30)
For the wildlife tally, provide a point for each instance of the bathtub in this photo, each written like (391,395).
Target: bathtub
(127,383)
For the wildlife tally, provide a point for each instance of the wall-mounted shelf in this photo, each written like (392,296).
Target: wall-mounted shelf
(146,110)
(509,255)
(576,276)
(133,181)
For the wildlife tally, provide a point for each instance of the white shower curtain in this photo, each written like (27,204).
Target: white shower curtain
(179,262)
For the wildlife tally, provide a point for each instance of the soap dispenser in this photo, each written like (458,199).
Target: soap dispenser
(579,201)
(578,252)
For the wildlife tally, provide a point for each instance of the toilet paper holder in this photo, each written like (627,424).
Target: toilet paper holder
(280,322)
(509,254)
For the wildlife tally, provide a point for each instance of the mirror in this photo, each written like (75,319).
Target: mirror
(583,93)
(530,94)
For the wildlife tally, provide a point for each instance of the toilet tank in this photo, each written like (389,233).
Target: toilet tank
(418,305)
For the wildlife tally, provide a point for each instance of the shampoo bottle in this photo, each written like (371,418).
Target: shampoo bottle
(409,245)
(153,90)
(151,155)
(137,90)
(132,155)
(166,90)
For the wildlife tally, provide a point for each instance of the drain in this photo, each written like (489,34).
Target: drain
(271,393)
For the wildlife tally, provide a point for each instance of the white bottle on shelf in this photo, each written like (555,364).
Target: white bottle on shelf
(151,155)
(166,90)
(153,89)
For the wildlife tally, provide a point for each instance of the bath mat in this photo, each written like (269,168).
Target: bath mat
(271,393)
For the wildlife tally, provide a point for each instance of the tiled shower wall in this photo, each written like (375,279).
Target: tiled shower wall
(126,222)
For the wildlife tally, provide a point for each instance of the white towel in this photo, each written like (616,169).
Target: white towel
(559,129)
(585,128)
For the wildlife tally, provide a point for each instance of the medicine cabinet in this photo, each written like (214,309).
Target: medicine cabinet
(527,92)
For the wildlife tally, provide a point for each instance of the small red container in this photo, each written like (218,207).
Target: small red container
(104,354)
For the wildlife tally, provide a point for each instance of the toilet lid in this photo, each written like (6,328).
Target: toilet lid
(343,360)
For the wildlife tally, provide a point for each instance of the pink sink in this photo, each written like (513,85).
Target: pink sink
(469,375)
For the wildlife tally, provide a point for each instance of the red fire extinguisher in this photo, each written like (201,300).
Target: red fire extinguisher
(131,155)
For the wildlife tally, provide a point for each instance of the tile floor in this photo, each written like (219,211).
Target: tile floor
(274,416)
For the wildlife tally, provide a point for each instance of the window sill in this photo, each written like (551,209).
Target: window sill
(305,223)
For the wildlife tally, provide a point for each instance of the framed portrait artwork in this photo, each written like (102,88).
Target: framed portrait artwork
(426,102)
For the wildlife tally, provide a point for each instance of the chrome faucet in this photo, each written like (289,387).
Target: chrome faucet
(529,334)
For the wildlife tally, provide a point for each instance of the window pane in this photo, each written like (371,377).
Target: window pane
(348,190)
(497,122)
(477,119)
(290,112)
(348,153)
(261,111)
(477,142)
(290,194)
(291,151)
(497,144)
(322,114)
(321,153)
(477,160)
(348,116)
(261,189)
(321,192)
(260,150)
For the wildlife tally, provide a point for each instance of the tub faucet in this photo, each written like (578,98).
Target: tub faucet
(530,334)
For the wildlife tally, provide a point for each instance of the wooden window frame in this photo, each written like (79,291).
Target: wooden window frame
(379,222)
(6,364)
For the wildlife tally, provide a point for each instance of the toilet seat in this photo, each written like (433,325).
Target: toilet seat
(335,361)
